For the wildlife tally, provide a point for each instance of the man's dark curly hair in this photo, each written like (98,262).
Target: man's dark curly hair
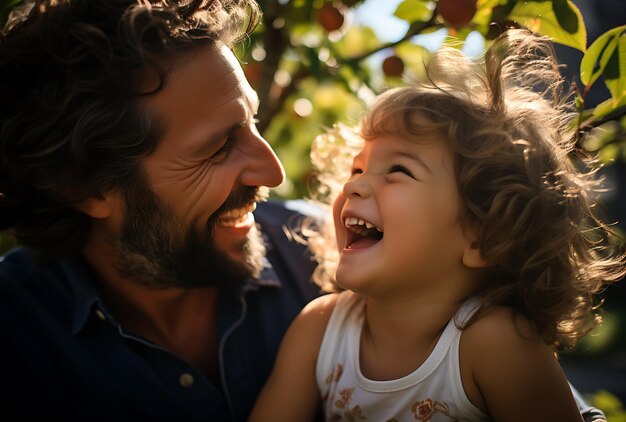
(71,126)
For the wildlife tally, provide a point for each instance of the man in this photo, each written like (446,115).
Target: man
(129,168)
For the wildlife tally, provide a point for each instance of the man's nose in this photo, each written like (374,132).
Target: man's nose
(262,167)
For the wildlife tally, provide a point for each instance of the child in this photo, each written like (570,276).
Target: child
(465,249)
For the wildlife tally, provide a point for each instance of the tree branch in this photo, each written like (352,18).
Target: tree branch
(275,44)
(414,29)
(614,115)
(276,105)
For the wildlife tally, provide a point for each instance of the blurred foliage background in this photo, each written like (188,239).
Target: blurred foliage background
(315,63)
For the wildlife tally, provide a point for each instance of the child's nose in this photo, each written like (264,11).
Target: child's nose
(357,187)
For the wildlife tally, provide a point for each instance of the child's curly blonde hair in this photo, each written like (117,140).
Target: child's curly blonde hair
(521,180)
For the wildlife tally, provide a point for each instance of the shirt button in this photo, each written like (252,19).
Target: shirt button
(186,380)
(100,315)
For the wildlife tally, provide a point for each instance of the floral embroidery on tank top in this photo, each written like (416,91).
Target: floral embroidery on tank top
(423,410)
(344,410)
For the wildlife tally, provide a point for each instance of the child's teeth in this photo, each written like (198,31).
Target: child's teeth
(353,221)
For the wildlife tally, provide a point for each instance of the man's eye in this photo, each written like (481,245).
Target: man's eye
(396,168)
(223,151)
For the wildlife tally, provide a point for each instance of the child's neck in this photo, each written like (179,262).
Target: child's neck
(399,336)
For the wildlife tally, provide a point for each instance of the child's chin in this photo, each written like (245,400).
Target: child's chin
(348,279)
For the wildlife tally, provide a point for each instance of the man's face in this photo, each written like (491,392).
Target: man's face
(191,225)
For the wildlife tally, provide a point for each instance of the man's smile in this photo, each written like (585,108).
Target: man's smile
(237,216)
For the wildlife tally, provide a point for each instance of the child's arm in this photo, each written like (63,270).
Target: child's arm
(512,373)
(291,392)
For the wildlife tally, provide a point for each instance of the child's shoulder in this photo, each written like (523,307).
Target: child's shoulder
(501,341)
(507,369)
(306,332)
(315,314)
(321,308)
(501,328)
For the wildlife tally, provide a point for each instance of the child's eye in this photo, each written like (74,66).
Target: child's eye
(356,171)
(396,168)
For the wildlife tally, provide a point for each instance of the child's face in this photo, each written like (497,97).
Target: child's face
(408,192)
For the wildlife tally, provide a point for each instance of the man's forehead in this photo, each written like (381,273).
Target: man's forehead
(205,78)
(205,95)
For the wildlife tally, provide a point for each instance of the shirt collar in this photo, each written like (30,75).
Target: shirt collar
(81,281)
(268,278)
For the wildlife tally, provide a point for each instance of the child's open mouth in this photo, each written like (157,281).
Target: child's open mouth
(361,233)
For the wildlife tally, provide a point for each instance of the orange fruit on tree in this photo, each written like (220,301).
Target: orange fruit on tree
(330,17)
(457,13)
(393,66)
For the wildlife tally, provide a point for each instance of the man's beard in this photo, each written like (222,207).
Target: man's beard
(158,250)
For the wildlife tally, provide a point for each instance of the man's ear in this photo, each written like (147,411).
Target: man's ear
(472,257)
(97,207)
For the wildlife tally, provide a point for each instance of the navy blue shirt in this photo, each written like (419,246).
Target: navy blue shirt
(63,355)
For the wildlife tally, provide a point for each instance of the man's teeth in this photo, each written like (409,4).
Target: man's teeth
(351,222)
(235,216)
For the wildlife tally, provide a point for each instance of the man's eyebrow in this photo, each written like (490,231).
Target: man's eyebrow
(416,158)
(253,102)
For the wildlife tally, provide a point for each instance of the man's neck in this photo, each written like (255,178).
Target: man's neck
(182,320)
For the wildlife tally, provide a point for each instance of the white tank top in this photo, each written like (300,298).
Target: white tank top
(432,393)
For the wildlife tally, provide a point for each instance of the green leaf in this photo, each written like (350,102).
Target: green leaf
(579,101)
(615,71)
(307,34)
(608,153)
(5,10)
(597,56)
(606,401)
(484,11)
(500,12)
(358,40)
(600,136)
(606,107)
(8,5)
(540,17)
(414,56)
(489,3)
(412,53)
(415,10)
(311,58)
(565,16)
